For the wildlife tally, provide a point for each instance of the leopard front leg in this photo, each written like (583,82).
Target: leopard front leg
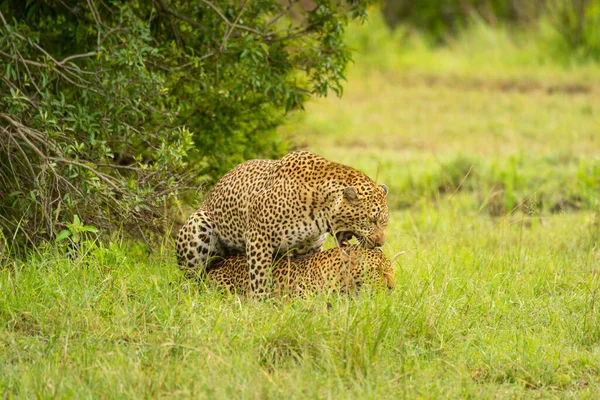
(196,244)
(259,251)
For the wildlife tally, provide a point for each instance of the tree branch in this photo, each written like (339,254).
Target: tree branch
(234,25)
(282,13)
(162,6)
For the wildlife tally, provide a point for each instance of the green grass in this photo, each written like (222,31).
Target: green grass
(494,178)
(482,307)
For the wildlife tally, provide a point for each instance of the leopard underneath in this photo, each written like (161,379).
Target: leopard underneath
(345,270)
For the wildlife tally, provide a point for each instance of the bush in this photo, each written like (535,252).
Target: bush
(573,29)
(109,109)
(570,28)
(441,19)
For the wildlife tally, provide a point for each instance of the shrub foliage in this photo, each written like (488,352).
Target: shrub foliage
(109,108)
(574,24)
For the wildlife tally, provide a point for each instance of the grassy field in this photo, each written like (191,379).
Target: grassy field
(494,175)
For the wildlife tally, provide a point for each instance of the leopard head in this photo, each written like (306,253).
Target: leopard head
(385,269)
(361,211)
(373,268)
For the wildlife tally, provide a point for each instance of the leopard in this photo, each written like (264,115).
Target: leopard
(266,208)
(344,270)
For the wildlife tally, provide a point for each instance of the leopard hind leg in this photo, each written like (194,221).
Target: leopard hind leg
(197,244)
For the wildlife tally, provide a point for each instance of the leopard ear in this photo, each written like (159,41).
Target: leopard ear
(385,189)
(351,195)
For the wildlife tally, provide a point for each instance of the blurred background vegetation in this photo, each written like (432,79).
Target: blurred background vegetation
(570,27)
(114,110)
(499,114)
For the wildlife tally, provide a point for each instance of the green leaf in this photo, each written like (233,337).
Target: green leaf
(62,235)
(89,228)
(80,32)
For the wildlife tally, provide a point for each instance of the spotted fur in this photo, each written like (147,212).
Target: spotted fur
(344,270)
(266,208)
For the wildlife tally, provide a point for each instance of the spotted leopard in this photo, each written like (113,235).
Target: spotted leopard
(266,208)
(345,269)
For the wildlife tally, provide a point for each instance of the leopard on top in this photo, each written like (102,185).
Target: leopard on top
(262,208)
(345,269)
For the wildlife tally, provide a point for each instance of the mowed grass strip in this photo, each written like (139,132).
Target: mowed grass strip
(500,147)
